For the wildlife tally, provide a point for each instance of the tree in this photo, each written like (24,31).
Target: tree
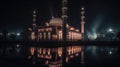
(25,34)
(13,37)
(4,34)
(118,35)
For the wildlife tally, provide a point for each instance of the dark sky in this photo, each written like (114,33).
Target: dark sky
(100,14)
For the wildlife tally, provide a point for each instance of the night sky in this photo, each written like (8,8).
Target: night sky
(15,15)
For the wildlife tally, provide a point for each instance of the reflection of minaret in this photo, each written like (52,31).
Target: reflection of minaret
(82,22)
(82,55)
(64,17)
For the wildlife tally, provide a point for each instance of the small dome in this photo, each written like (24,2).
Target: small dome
(56,22)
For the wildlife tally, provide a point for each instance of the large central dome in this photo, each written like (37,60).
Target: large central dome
(56,22)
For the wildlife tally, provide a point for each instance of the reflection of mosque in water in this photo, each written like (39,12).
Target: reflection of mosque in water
(53,57)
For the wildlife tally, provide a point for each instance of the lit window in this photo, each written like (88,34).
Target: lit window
(32,50)
(60,35)
(49,35)
(40,35)
(44,35)
(32,36)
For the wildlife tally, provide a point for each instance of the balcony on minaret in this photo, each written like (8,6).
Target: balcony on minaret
(64,8)
(64,16)
(34,16)
(34,12)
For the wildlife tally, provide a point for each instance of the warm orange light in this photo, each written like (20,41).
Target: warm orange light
(67,59)
(47,24)
(54,37)
(76,54)
(77,30)
(29,29)
(33,36)
(44,51)
(72,28)
(32,50)
(47,62)
(67,25)
(60,52)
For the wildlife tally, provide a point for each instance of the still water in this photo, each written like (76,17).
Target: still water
(60,56)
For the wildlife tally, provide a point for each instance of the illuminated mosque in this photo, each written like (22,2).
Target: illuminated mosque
(57,28)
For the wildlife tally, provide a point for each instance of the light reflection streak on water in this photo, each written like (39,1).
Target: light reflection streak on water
(95,50)
(54,55)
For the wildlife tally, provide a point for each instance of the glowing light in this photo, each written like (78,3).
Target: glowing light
(60,52)
(12,33)
(17,45)
(110,52)
(54,37)
(44,51)
(29,29)
(18,34)
(34,11)
(56,22)
(77,30)
(92,36)
(77,54)
(72,28)
(48,52)
(67,25)
(67,59)
(60,35)
(44,35)
(82,8)
(8,33)
(47,62)
(47,24)
(110,30)
(32,49)
(32,36)
(1,33)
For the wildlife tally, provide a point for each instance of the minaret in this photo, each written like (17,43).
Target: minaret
(64,17)
(34,18)
(82,22)
(34,30)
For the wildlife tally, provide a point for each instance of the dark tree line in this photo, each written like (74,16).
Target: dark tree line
(118,35)
(4,35)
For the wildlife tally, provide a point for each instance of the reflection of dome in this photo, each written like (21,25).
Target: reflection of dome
(56,22)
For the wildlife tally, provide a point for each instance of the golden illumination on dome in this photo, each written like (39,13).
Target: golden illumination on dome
(77,30)
(56,22)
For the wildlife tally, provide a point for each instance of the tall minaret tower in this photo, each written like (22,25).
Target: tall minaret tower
(34,18)
(82,21)
(64,17)
(34,21)
(34,30)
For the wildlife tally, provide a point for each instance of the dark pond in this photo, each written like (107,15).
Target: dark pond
(60,56)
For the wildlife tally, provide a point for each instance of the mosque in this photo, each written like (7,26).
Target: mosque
(57,28)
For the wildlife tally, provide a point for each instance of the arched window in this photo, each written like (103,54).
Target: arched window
(49,35)
(44,34)
(33,36)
